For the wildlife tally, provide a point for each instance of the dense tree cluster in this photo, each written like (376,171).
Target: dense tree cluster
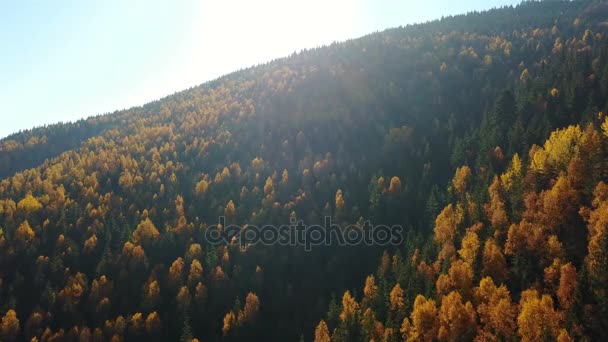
(483,134)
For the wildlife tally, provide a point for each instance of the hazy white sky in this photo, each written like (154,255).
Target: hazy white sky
(63,60)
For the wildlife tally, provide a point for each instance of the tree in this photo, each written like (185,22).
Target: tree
(196,272)
(557,151)
(495,310)
(10,325)
(350,308)
(230,210)
(469,247)
(176,272)
(183,299)
(424,319)
(396,301)
(29,204)
(145,232)
(566,291)
(229,323)
(370,293)
(152,294)
(395,186)
(457,320)
(459,278)
(153,324)
(496,209)
(339,201)
(371,329)
(24,233)
(322,333)
(202,187)
(596,260)
(537,319)
(250,311)
(461,180)
(494,263)
(446,225)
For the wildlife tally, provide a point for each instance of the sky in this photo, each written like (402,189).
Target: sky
(65,60)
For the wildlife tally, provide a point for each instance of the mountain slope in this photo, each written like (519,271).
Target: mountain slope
(103,233)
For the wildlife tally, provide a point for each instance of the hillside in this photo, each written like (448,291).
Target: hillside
(484,135)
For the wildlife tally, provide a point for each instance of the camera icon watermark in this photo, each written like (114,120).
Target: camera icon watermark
(299,234)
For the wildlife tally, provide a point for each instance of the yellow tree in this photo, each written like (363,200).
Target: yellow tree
(229,323)
(461,180)
(395,186)
(250,311)
(396,301)
(469,247)
(145,232)
(322,333)
(153,324)
(370,292)
(537,319)
(496,209)
(566,292)
(494,263)
(446,226)
(424,320)
(196,272)
(29,204)
(496,311)
(230,210)
(339,201)
(176,272)
(10,325)
(596,261)
(457,320)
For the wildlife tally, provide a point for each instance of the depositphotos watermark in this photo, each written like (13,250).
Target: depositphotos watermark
(299,234)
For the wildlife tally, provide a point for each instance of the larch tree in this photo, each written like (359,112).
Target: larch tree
(322,332)
(10,326)
(496,311)
(423,324)
(457,320)
(537,318)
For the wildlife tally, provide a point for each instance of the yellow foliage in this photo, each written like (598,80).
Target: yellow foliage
(322,333)
(396,300)
(350,308)
(457,320)
(395,186)
(230,210)
(512,174)
(424,324)
(339,200)
(196,272)
(496,311)
(29,204)
(229,323)
(605,126)
(469,247)
(525,76)
(153,323)
(537,319)
(249,313)
(10,325)
(24,232)
(145,232)
(494,263)
(447,223)
(461,179)
(558,150)
(202,187)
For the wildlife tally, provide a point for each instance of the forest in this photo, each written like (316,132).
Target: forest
(484,135)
